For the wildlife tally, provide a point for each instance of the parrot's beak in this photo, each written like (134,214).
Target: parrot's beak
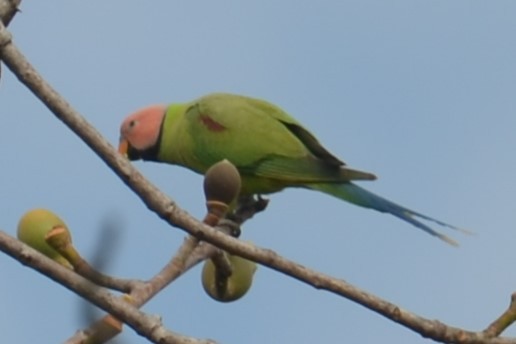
(123,147)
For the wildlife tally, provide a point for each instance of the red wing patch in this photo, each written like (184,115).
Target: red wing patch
(211,124)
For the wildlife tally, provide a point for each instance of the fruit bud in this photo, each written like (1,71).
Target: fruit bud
(238,284)
(33,228)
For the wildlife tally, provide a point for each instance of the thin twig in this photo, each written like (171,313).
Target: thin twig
(84,269)
(505,320)
(59,238)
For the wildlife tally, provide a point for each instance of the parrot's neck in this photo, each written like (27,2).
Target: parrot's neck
(173,137)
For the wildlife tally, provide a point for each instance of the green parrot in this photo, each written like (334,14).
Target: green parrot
(270,149)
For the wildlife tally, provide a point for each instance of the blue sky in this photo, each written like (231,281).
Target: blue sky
(419,92)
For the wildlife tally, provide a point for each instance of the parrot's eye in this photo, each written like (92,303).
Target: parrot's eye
(132,124)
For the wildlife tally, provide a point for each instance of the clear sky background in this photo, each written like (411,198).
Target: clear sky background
(422,93)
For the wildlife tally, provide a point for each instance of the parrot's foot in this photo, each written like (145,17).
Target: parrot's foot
(230,227)
(247,207)
(261,203)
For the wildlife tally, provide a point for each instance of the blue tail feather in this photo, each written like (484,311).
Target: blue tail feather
(355,194)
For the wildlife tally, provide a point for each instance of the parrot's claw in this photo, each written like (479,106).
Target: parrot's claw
(261,203)
(246,208)
(252,204)
(230,226)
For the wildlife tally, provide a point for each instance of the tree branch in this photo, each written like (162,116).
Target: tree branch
(505,320)
(168,210)
(147,326)
(8,9)
(60,240)
(191,253)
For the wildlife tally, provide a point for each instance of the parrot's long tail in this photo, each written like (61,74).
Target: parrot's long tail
(355,194)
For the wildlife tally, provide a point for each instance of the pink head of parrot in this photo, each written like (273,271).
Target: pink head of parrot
(140,131)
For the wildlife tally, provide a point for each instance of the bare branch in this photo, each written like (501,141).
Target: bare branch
(155,200)
(191,253)
(147,326)
(8,9)
(505,320)
(60,240)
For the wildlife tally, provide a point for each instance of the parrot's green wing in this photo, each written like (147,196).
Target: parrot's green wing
(260,139)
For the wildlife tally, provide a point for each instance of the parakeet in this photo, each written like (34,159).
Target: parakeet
(270,149)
